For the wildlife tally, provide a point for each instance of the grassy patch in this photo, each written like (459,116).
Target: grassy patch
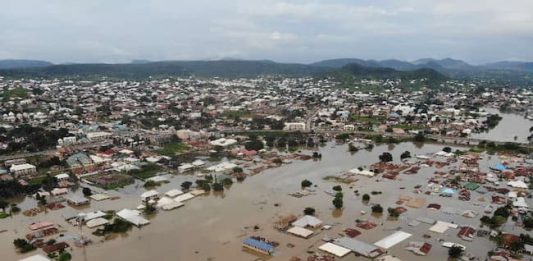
(375,120)
(173,148)
(146,171)
(236,114)
(338,179)
(15,93)
(3,215)
(37,180)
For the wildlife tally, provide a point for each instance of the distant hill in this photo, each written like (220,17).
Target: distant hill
(16,63)
(389,73)
(439,65)
(338,63)
(447,63)
(222,68)
(514,66)
(508,73)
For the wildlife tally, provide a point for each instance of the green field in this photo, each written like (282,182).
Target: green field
(171,149)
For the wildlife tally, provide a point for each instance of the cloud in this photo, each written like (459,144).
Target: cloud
(284,30)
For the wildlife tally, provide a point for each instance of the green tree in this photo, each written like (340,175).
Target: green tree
(309,211)
(218,187)
(455,252)
(337,188)
(366,197)
(256,145)
(406,154)
(227,182)
(186,185)
(87,192)
(306,183)
(385,157)
(377,209)
(23,245)
(65,256)
(393,213)
(337,202)
(206,187)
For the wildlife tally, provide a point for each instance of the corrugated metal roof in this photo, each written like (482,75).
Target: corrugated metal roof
(258,244)
(357,246)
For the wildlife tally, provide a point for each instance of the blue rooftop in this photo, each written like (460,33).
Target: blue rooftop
(258,244)
(500,167)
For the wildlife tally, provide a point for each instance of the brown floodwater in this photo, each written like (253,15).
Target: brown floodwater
(511,125)
(212,227)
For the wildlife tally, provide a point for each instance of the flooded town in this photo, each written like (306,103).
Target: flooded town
(263,169)
(266,130)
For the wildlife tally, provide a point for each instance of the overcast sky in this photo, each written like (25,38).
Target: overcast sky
(286,31)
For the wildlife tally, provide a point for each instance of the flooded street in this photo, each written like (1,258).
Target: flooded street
(212,227)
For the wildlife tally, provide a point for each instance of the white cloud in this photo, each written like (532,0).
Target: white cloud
(286,30)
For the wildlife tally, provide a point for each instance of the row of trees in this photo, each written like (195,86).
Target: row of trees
(28,138)
(387,156)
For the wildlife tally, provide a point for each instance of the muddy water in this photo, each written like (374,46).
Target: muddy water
(511,126)
(212,227)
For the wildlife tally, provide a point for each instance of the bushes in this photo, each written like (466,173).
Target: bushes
(342,136)
(385,157)
(87,192)
(528,222)
(499,218)
(150,184)
(309,211)
(256,145)
(366,197)
(118,226)
(393,213)
(227,182)
(23,246)
(405,155)
(419,137)
(378,209)
(337,188)
(306,183)
(65,256)
(205,186)
(337,201)
(218,187)
(186,185)
(455,252)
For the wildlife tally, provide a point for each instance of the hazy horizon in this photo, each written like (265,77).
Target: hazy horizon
(119,31)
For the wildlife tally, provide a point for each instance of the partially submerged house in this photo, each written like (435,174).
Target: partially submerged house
(258,245)
(391,240)
(334,249)
(359,247)
(307,221)
(132,216)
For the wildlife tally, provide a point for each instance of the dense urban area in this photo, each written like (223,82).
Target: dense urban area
(270,167)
